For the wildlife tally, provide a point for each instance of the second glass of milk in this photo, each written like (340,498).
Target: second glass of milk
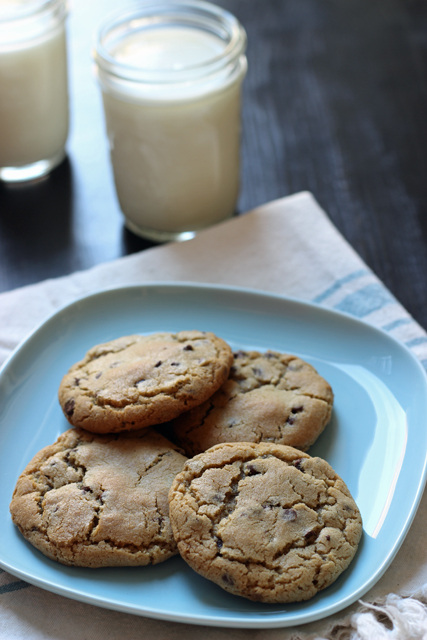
(171,74)
(33,88)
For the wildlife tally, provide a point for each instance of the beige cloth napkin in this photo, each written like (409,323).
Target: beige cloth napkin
(289,247)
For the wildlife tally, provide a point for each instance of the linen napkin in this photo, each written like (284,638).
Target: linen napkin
(288,247)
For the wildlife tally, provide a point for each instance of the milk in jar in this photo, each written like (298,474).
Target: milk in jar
(33,88)
(171,82)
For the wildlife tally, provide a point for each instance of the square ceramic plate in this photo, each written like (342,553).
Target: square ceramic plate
(376,441)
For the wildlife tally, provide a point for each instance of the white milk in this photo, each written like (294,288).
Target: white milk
(174,145)
(168,48)
(33,99)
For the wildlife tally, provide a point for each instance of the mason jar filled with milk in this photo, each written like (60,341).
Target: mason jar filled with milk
(171,75)
(33,88)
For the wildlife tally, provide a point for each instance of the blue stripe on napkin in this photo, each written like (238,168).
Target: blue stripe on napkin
(365,301)
(13,586)
(416,341)
(339,283)
(397,323)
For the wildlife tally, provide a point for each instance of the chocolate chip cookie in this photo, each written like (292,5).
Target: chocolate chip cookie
(138,381)
(270,397)
(99,500)
(264,521)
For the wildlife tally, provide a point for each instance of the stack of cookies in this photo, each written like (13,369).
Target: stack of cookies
(249,510)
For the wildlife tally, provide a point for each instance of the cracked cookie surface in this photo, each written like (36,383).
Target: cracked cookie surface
(264,521)
(270,397)
(99,500)
(138,381)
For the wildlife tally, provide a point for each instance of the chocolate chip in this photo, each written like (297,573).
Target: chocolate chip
(310,536)
(174,364)
(98,375)
(297,409)
(240,354)
(76,381)
(257,371)
(290,420)
(290,515)
(87,489)
(233,369)
(158,363)
(328,538)
(227,579)
(252,471)
(69,407)
(188,347)
(298,464)
(315,582)
(219,543)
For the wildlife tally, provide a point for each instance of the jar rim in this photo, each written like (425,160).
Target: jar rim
(196,14)
(15,11)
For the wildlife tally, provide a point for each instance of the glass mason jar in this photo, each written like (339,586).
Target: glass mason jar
(33,88)
(171,75)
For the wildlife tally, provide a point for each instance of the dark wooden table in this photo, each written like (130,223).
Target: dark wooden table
(335,102)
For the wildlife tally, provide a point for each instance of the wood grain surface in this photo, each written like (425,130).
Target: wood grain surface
(335,101)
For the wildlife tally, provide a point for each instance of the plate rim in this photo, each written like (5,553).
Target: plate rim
(266,620)
(189,284)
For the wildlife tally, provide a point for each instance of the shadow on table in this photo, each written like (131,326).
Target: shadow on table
(36,222)
(131,243)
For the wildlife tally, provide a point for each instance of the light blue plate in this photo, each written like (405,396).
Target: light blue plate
(377,439)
